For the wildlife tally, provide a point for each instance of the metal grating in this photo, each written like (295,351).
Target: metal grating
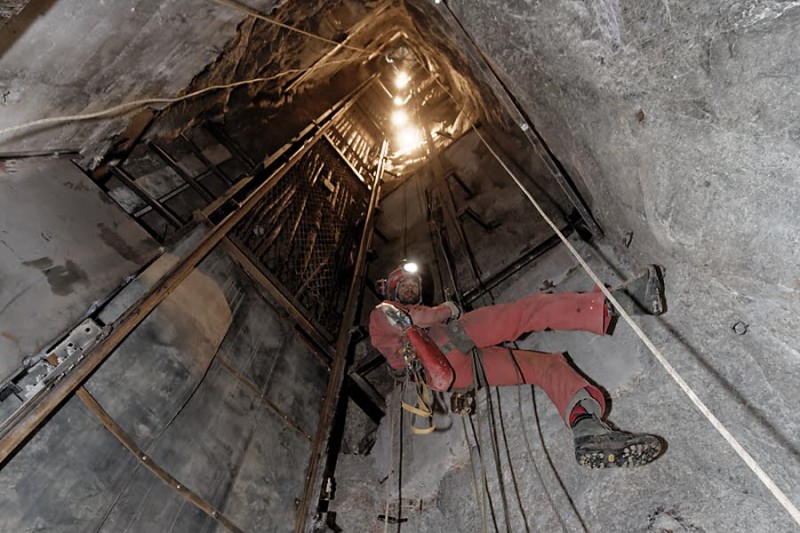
(305,232)
(359,138)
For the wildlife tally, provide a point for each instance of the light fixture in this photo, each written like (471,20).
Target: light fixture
(399,101)
(399,118)
(408,139)
(401,80)
(410,267)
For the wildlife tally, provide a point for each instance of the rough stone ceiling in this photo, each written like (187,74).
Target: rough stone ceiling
(154,49)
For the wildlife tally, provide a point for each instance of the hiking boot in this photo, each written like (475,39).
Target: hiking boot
(643,295)
(598,446)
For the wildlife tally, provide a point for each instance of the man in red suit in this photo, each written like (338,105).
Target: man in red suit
(580,404)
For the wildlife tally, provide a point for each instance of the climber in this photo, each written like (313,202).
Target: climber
(403,317)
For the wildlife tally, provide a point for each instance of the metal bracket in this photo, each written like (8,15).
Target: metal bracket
(78,340)
(52,364)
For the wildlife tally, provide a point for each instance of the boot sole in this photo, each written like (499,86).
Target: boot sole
(637,451)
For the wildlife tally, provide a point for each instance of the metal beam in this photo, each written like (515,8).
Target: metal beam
(34,412)
(204,193)
(168,214)
(222,137)
(366,397)
(146,461)
(198,153)
(493,280)
(319,335)
(313,479)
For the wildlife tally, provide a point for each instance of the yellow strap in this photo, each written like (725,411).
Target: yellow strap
(421,410)
(417,431)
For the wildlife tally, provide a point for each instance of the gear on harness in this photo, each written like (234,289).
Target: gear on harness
(463,403)
(424,407)
(438,372)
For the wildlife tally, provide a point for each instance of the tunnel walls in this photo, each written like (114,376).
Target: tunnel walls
(676,120)
(64,246)
(215,387)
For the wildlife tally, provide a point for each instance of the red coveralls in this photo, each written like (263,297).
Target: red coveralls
(490,326)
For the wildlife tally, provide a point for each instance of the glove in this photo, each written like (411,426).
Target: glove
(455,311)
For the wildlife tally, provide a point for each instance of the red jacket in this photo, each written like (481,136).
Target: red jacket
(388,339)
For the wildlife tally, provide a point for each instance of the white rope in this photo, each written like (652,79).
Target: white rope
(130,106)
(746,457)
(254,13)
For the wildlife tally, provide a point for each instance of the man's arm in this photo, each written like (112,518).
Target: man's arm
(425,317)
(387,339)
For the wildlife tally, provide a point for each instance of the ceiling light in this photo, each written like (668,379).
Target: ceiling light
(401,80)
(399,100)
(408,139)
(399,118)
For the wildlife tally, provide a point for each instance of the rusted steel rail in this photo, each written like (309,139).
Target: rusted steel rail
(313,481)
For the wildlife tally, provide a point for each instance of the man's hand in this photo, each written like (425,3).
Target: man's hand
(455,311)
(396,316)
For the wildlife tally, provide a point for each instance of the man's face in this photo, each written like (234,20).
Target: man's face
(408,291)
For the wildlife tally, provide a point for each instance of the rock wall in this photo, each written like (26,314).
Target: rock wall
(677,120)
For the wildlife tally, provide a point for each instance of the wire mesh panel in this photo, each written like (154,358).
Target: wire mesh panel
(359,138)
(305,232)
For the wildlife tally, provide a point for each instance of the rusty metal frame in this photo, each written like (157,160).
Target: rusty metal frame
(20,426)
(313,486)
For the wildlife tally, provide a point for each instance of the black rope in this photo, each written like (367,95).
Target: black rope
(510,464)
(492,435)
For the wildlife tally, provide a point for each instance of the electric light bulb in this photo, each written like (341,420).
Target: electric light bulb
(398,101)
(399,118)
(401,80)
(408,139)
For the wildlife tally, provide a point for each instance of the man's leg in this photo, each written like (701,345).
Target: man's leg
(549,371)
(580,404)
(565,311)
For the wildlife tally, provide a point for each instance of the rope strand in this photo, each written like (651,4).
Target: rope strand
(726,434)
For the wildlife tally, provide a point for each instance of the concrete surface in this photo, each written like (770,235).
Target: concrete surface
(166,387)
(65,245)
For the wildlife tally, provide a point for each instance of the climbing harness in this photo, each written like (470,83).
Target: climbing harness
(424,404)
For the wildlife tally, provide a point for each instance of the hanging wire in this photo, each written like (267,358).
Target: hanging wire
(478,366)
(478,494)
(508,458)
(477,435)
(127,107)
(254,13)
(405,222)
(392,415)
